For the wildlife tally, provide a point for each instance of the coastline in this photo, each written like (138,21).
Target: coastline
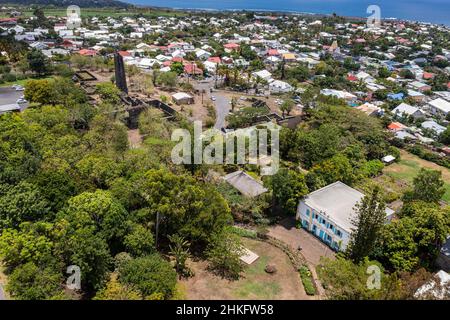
(280,11)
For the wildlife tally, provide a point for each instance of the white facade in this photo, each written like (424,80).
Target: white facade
(328,213)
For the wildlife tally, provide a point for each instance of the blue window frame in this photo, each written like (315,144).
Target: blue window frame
(307,212)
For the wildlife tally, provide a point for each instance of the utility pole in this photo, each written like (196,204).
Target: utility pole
(157,230)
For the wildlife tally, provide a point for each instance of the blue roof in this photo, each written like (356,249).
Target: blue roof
(396,96)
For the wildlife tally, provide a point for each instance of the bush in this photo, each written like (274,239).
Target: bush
(307,281)
(151,275)
(9,77)
(244,233)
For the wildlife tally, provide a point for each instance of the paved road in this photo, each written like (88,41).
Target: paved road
(221,104)
(2,294)
(9,95)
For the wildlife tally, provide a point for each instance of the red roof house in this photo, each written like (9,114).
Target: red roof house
(214,59)
(396,126)
(124,53)
(231,46)
(88,52)
(193,69)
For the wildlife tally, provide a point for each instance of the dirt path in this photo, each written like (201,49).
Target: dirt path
(134,138)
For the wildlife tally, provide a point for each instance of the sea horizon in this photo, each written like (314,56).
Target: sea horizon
(431,11)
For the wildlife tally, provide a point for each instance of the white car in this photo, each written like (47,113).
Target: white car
(213,98)
(19,88)
(21,101)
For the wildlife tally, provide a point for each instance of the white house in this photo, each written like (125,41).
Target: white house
(263,74)
(405,109)
(434,126)
(279,86)
(439,107)
(328,213)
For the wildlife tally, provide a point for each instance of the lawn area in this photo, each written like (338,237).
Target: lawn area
(410,165)
(254,284)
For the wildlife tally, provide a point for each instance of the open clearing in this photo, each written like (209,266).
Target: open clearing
(254,284)
(409,166)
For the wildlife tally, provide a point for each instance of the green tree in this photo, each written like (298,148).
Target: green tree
(38,62)
(287,106)
(428,186)
(108,92)
(30,282)
(139,242)
(288,187)
(177,67)
(188,208)
(370,219)
(151,275)
(224,252)
(40,91)
(115,290)
(99,212)
(167,79)
(445,136)
(345,280)
(20,203)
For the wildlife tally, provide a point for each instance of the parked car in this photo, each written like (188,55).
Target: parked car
(18,88)
(213,98)
(21,101)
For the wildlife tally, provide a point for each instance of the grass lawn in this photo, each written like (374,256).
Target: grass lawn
(410,165)
(254,283)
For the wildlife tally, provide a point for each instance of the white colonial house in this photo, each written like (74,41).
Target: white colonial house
(328,214)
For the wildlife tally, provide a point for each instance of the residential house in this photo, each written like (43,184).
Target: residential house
(278,86)
(328,213)
(439,107)
(419,86)
(405,109)
(433,126)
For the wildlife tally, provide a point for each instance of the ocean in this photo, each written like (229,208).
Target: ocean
(434,11)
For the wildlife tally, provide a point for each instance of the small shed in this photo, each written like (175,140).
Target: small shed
(388,159)
(182,98)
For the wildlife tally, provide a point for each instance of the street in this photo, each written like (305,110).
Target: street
(221,104)
(8,95)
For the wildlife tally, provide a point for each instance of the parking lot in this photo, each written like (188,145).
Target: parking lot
(9,95)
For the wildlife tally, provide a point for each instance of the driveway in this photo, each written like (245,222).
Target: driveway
(312,248)
(221,104)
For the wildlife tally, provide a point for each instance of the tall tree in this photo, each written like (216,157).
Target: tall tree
(368,223)
(428,186)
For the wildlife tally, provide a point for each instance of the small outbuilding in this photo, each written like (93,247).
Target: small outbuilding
(182,98)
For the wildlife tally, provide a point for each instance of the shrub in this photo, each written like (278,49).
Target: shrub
(307,281)
(151,275)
